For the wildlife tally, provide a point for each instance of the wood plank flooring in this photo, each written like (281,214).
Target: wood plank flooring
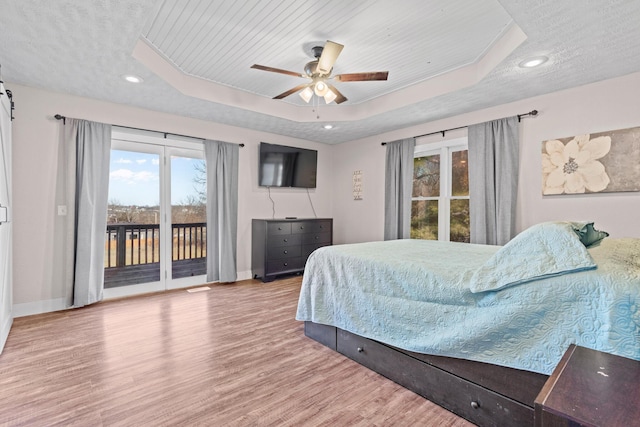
(230,356)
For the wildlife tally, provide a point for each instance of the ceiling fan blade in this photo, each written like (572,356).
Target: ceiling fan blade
(340,98)
(291,91)
(277,70)
(361,77)
(329,55)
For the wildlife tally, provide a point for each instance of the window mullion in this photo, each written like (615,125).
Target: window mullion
(443,207)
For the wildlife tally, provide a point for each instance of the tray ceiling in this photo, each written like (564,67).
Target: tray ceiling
(444,57)
(219,41)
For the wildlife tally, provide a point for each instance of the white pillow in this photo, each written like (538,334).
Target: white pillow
(543,250)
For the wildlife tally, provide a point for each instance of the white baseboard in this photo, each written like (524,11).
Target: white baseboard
(39,307)
(245,275)
(4,331)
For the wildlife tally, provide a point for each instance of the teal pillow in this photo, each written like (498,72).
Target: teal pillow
(589,236)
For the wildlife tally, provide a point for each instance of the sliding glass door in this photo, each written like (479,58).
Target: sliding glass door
(188,215)
(156,224)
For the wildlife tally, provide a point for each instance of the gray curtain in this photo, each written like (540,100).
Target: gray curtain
(88,147)
(222,210)
(493,180)
(397,189)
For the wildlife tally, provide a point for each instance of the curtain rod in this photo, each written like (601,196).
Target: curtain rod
(63,118)
(531,113)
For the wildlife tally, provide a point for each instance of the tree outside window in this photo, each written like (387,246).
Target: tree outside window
(440,199)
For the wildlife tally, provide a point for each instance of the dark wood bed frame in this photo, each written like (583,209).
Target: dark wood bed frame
(485,394)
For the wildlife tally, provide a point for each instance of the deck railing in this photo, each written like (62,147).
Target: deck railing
(132,253)
(138,244)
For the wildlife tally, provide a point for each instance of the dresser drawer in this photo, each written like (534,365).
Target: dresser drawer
(284,265)
(280,240)
(324,238)
(301,227)
(283,252)
(476,404)
(311,227)
(275,228)
(321,226)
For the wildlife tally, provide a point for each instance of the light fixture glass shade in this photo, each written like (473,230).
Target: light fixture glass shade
(330,96)
(306,94)
(321,88)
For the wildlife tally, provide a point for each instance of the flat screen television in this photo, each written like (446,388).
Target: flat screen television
(282,166)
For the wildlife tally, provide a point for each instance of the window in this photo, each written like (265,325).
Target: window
(440,198)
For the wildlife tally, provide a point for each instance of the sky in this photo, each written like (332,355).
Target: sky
(134,178)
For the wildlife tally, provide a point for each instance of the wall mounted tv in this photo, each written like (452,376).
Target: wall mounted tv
(282,166)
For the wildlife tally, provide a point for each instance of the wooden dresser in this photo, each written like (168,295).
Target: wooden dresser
(282,246)
(590,388)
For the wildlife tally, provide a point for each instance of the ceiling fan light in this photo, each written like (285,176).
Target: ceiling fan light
(321,88)
(306,94)
(330,96)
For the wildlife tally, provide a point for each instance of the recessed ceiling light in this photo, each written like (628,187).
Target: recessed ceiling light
(328,126)
(533,62)
(132,78)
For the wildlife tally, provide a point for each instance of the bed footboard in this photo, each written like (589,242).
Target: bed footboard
(484,394)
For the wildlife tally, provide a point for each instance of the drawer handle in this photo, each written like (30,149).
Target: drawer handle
(285,240)
(474,404)
(286,264)
(317,237)
(286,252)
(360,349)
(279,228)
(302,227)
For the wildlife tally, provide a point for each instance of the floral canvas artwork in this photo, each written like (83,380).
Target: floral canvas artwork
(593,163)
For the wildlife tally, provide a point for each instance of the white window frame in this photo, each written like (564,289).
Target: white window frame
(445,149)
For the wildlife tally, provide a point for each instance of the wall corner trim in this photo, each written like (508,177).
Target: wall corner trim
(39,307)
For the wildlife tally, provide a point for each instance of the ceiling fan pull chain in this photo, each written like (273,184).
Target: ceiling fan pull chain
(317,101)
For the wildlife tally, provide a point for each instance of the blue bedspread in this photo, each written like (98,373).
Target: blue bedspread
(415,295)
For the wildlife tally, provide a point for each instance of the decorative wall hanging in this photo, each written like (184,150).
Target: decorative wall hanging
(357,185)
(603,162)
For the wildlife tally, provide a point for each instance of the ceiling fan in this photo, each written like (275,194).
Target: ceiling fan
(319,72)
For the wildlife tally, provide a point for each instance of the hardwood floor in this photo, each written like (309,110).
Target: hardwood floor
(230,356)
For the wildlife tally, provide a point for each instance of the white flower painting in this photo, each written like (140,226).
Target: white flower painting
(574,167)
(604,162)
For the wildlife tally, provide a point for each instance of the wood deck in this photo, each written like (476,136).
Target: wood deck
(231,356)
(144,273)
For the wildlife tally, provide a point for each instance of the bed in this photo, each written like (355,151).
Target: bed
(474,328)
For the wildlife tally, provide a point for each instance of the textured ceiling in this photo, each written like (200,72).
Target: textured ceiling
(83,47)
